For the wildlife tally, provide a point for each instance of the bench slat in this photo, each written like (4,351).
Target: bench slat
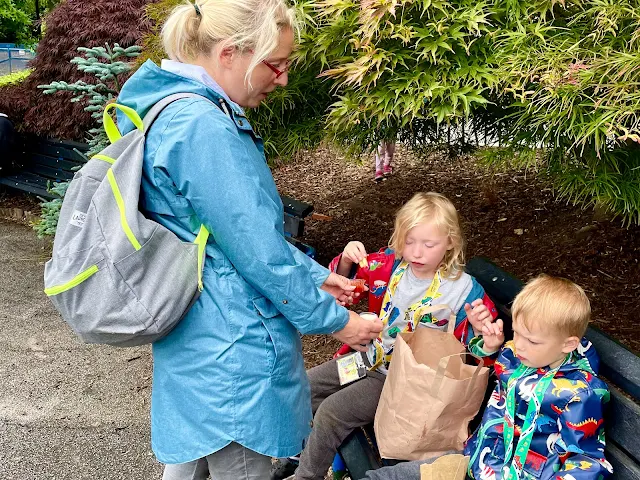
(295,207)
(624,468)
(51,173)
(618,363)
(357,454)
(499,285)
(54,162)
(25,183)
(54,148)
(293,226)
(623,422)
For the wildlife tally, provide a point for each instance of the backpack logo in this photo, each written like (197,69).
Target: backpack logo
(78,218)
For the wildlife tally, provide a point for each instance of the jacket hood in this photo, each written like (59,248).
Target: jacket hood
(584,357)
(150,84)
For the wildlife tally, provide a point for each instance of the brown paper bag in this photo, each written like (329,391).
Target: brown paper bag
(449,467)
(429,396)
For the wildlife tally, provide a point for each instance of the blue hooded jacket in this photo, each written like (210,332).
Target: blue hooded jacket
(568,441)
(232,370)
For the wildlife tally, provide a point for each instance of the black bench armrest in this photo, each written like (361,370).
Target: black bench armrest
(296,208)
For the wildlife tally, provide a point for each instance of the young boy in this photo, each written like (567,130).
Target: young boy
(544,418)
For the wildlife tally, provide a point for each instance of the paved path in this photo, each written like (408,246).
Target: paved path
(67,410)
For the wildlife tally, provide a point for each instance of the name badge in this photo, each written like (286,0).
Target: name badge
(351,368)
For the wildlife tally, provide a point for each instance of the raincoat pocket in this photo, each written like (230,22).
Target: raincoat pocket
(283,339)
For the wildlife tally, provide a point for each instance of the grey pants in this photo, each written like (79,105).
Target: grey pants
(233,462)
(338,410)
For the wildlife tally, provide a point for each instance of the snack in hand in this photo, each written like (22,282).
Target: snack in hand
(360,285)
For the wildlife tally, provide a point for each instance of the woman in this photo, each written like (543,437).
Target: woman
(229,384)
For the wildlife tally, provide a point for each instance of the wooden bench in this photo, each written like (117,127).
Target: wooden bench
(619,367)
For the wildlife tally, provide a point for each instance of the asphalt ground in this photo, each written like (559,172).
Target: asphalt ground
(67,410)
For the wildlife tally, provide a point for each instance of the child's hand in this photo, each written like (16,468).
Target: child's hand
(355,252)
(477,313)
(493,335)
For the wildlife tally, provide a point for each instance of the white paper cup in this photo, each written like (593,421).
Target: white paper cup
(369,316)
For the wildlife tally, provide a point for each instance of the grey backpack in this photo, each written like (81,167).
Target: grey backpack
(115,276)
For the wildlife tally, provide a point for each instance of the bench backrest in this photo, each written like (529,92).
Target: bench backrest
(39,162)
(619,366)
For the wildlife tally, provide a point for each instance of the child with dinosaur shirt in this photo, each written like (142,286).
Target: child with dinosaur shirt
(544,418)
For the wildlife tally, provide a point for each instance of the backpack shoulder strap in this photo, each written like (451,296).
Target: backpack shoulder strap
(151,116)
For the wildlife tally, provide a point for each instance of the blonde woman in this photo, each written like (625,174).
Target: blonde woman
(422,266)
(229,385)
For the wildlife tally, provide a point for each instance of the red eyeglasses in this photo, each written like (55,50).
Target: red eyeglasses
(276,70)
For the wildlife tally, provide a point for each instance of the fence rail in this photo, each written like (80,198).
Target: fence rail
(14,58)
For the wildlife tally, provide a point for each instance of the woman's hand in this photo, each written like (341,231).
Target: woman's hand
(341,288)
(358,332)
(354,252)
(493,335)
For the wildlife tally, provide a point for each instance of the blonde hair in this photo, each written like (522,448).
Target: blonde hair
(436,209)
(554,302)
(243,24)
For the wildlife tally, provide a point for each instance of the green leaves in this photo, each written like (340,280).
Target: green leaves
(573,78)
(557,76)
(393,63)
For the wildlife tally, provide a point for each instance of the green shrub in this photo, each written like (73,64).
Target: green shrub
(109,66)
(401,67)
(571,71)
(14,78)
(556,76)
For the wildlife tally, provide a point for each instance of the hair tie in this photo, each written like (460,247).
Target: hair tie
(198,12)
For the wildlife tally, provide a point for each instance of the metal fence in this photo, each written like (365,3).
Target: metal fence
(14,58)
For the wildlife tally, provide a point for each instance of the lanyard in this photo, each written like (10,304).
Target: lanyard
(413,313)
(529,425)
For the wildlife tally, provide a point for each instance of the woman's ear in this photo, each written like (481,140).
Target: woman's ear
(570,344)
(226,56)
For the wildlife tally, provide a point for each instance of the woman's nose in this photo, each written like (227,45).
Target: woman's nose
(283,79)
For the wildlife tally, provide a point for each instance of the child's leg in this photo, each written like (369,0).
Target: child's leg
(335,418)
(380,155)
(324,382)
(389,150)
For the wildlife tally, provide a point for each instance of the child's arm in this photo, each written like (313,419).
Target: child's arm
(582,434)
(353,253)
(492,336)
(478,308)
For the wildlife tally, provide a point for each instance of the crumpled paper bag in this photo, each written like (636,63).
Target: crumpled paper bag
(448,467)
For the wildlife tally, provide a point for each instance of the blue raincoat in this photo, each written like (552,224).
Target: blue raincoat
(232,370)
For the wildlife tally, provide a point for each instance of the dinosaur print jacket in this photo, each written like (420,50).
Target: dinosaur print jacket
(568,441)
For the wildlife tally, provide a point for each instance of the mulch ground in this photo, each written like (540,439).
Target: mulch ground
(511,218)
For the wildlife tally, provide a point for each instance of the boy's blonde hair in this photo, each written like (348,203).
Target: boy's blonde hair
(436,209)
(244,24)
(554,302)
